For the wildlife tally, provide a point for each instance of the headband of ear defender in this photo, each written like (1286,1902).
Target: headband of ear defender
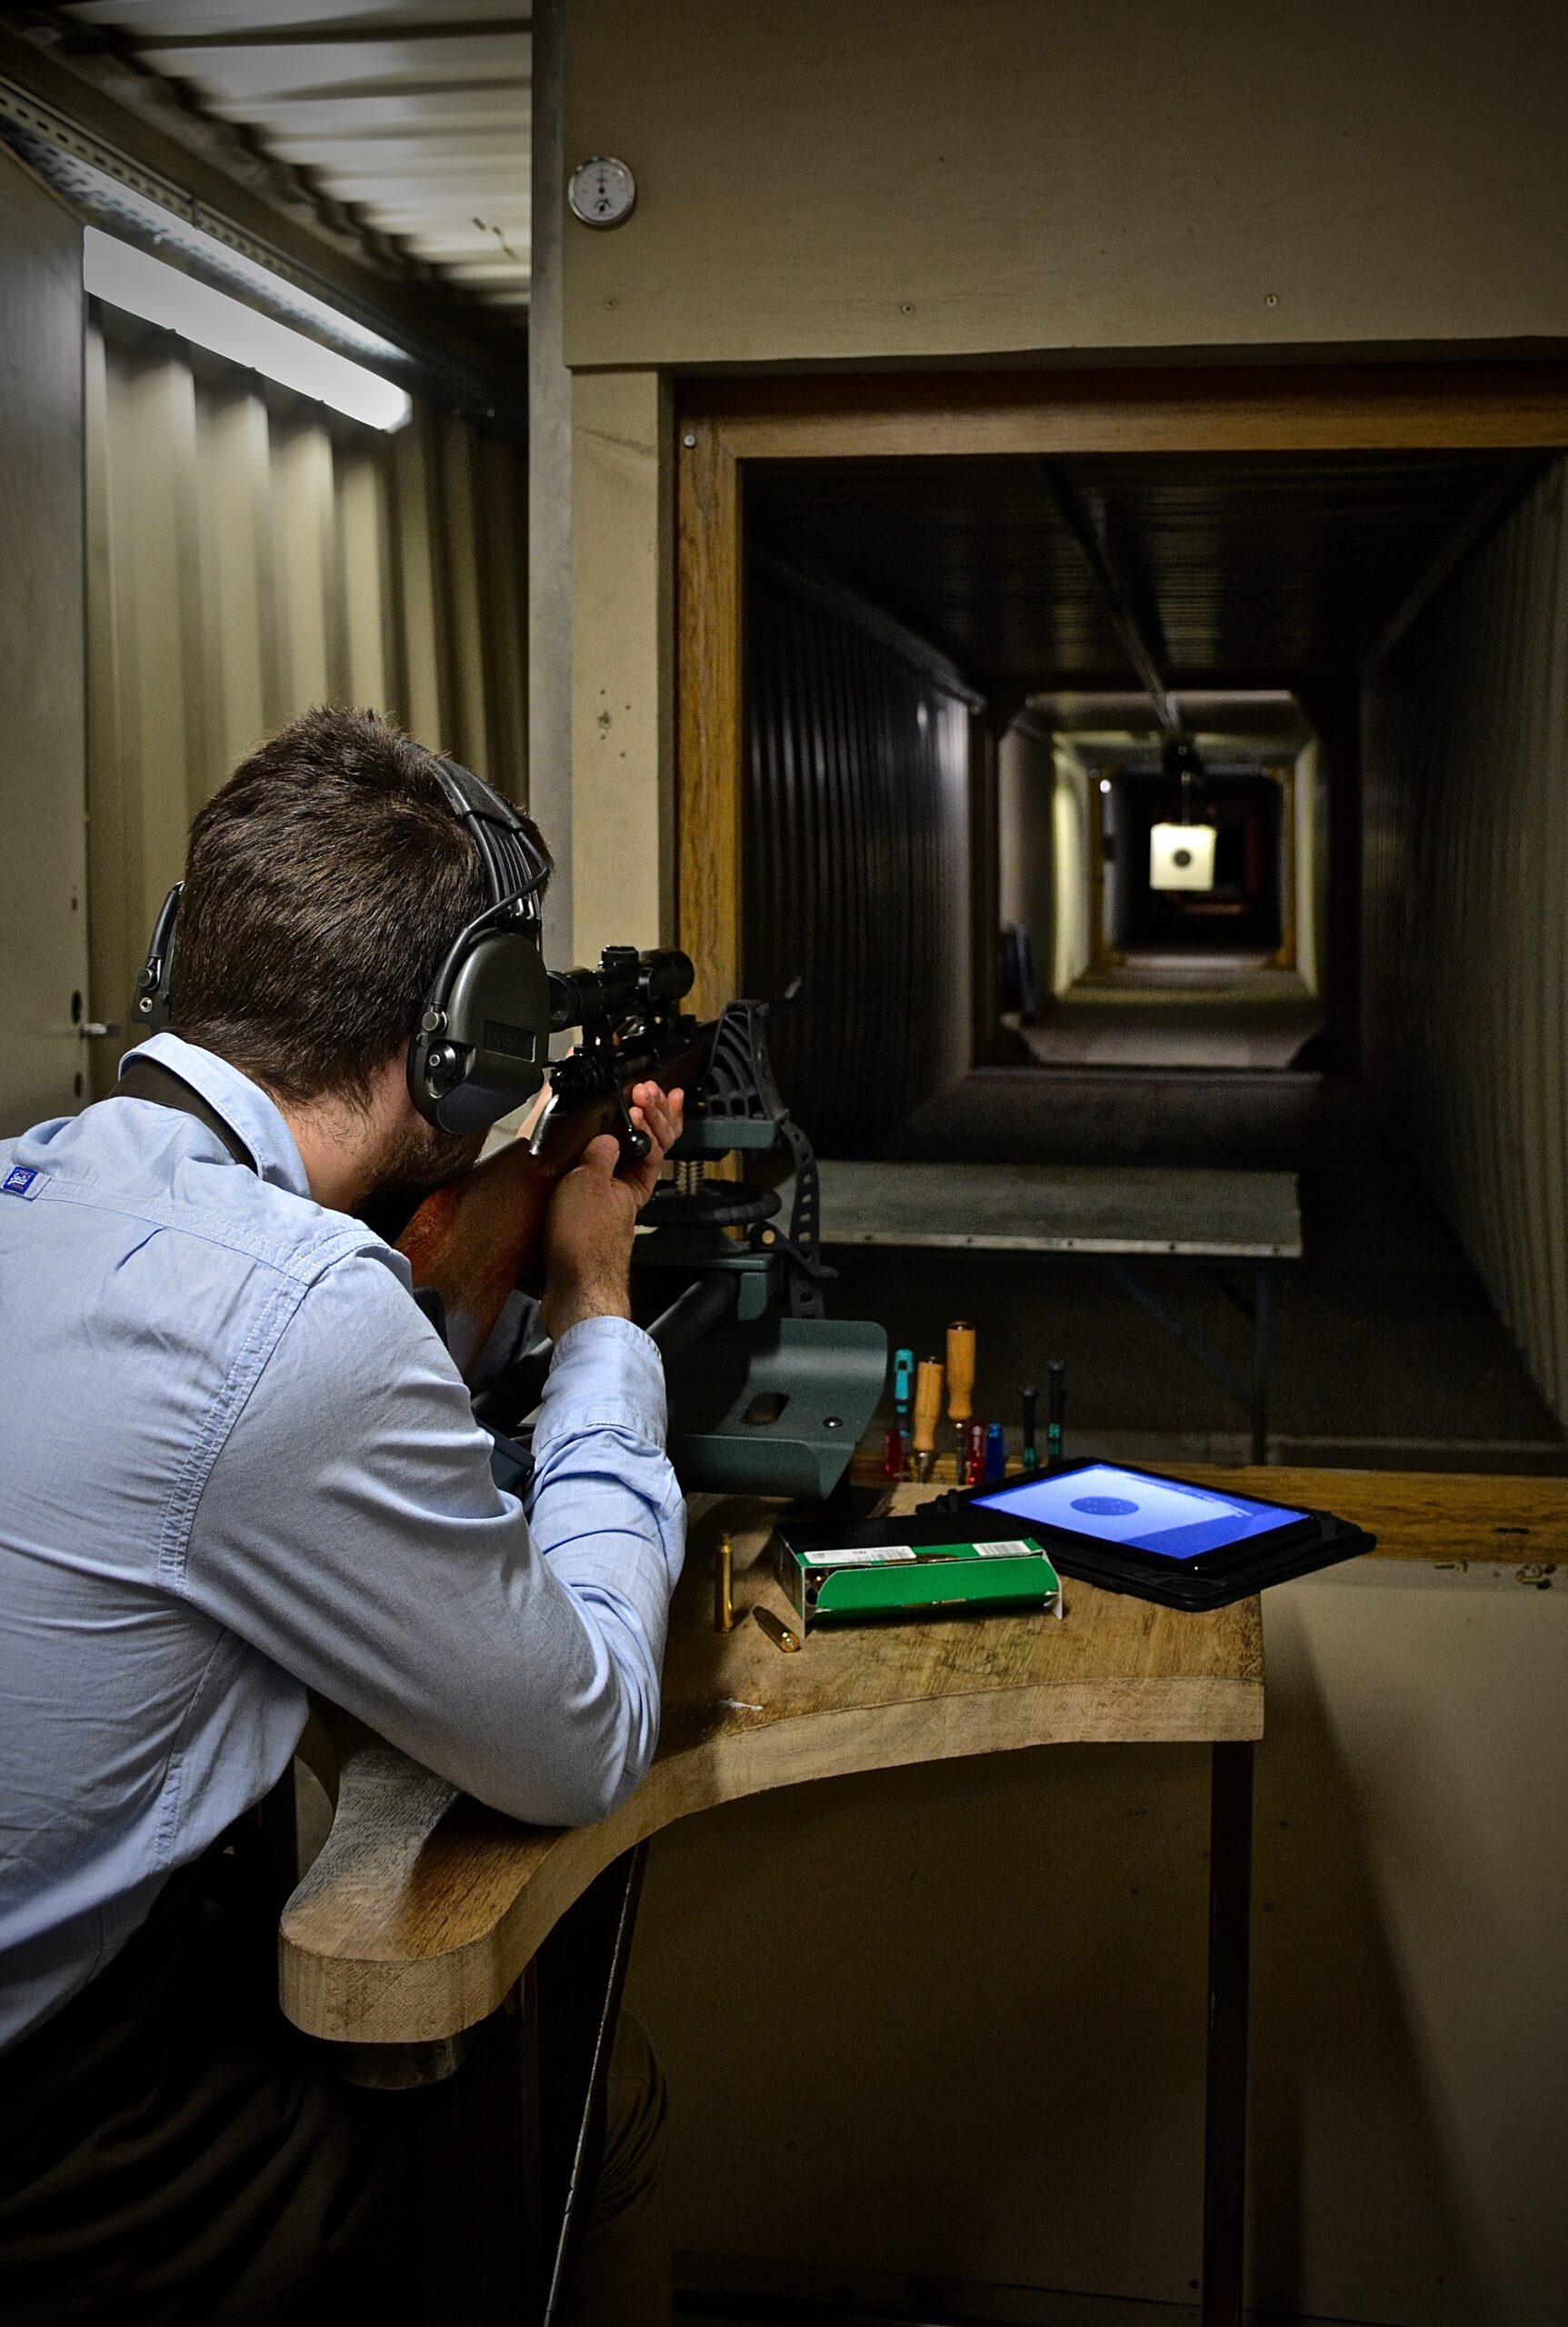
(483,1033)
(150,1003)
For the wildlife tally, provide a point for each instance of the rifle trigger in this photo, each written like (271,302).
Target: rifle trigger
(635,1145)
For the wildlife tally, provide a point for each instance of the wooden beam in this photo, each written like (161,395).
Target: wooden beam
(1382,407)
(708,713)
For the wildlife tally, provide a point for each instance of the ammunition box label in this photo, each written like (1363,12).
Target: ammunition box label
(878,1555)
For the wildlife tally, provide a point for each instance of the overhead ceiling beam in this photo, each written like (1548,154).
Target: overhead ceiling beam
(1086,522)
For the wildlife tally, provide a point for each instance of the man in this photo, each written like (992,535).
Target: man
(237,1464)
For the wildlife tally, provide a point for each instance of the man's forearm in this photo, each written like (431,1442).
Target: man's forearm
(607,1514)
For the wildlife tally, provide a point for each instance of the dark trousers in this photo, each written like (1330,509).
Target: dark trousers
(172,2153)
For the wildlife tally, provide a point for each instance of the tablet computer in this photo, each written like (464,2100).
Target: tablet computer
(1164,1538)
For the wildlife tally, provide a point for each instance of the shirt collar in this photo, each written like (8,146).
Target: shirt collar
(245,1106)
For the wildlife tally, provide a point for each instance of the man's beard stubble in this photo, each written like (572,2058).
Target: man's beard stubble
(414,1158)
(417,1157)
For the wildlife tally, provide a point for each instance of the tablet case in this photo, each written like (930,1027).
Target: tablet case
(1318,1540)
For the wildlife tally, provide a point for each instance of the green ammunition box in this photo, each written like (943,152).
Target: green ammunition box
(912,1567)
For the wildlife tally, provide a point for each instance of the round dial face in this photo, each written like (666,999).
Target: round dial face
(602,192)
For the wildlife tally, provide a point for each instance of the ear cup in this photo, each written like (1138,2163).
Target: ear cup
(483,1038)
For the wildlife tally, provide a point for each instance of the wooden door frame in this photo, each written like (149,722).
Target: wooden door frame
(722,423)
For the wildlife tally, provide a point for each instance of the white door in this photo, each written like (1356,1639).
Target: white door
(43,679)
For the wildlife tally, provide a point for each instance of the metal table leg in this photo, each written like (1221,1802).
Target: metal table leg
(1263,1350)
(1226,2084)
(509,2147)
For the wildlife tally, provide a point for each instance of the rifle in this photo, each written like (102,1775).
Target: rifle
(767,1395)
(473,1242)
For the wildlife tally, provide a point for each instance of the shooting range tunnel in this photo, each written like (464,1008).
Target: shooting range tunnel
(972,685)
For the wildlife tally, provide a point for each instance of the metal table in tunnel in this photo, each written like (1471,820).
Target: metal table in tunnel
(1128,1218)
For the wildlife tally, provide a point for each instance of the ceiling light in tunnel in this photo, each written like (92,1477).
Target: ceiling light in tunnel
(1104,783)
(126,277)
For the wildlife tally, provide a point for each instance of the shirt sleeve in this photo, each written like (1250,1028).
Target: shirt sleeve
(351,1529)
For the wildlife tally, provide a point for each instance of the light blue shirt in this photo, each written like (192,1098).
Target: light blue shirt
(237,1464)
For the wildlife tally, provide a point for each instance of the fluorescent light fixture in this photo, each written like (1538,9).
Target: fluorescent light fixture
(129,278)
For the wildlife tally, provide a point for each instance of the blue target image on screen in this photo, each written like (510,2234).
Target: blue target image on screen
(1116,1506)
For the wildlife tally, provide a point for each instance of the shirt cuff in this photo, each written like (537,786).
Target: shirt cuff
(606,1374)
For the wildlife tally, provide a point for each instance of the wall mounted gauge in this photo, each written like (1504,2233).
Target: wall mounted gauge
(602,192)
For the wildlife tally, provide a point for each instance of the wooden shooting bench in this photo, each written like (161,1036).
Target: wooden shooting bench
(1126,1218)
(429,1925)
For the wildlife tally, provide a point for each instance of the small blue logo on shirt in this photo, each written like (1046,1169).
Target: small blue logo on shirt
(20,1181)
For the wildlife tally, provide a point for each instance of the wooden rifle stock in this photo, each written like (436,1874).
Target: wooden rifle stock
(475,1240)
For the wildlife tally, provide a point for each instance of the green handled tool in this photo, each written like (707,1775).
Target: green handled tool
(1056,1412)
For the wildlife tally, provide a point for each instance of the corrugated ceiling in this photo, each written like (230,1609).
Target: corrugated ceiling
(417,117)
(1255,569)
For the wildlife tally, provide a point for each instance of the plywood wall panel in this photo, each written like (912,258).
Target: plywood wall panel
(902,179)
(623,671)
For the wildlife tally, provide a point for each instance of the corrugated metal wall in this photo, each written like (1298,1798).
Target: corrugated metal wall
(857,858)
(251,553)
(1467,915)
(1026,869)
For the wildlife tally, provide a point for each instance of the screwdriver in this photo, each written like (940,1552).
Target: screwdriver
(1055,1412)
(996,1452)
(927,1413)
(960,1382)
(902,1393)
(903,1386)
(1031,1397)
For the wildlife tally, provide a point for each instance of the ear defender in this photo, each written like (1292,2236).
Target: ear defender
(483,1040)
(150,1006)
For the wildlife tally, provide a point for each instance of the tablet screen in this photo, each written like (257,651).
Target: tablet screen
(1117,1506)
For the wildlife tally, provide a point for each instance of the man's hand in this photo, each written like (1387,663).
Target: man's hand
(593,1212)
(659,1113)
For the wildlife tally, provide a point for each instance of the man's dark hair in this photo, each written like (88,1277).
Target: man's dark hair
(324,885)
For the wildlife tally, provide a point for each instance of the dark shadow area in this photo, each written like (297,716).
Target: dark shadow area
(1054,794)
(1388,1352)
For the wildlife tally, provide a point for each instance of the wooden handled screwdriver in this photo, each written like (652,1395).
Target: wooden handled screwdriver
(927,1414)
(960,1378)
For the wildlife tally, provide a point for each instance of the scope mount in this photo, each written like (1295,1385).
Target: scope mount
(629,1007)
